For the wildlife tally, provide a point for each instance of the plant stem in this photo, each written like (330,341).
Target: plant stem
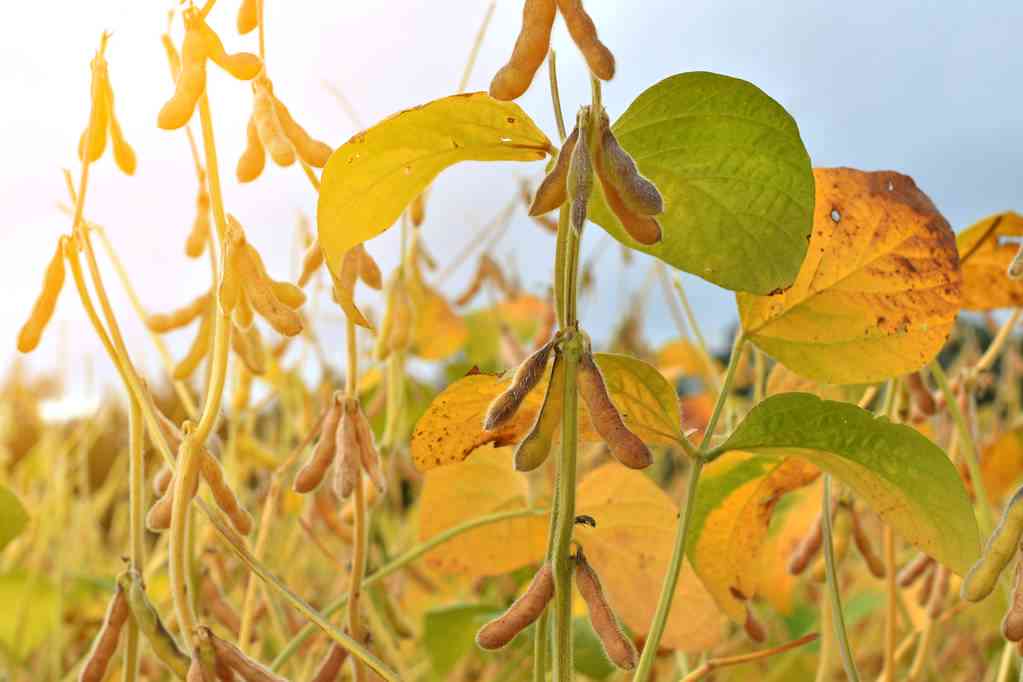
(249,603)
(660,621)
(891,610)
(359,518)
(136,503)
(695,326)
(832,586)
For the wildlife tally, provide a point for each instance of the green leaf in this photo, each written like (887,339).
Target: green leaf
(907,479)
(449,633)
(735,176)
(13,517)
(29,613)
(589,658)
(370,179)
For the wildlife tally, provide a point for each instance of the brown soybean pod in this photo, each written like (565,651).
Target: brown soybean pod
(248,16)
(534,449)
(625,446)
(222,493)
(754,628)
(161,323)
(369,271)
(526,609)
(526,377)
(348,462)
(330,667)
(199,349)
(530,50)
(105,644)
(927,586)
(940,592)
(213,600)
(619,649)
(159,516)
(637,193)
(475,286)
(1012,623)
(584,34)
(242,65)
(200,232)
(553,192)
(913,570)
(311,262)
(579,181)
(865,547)
(253,159)
(250,670)
(923,400)
(42,310)
(190,84)
(268,126)
(311,475)
(369,456)
(310,150)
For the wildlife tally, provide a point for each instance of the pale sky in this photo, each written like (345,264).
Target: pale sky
(931,89)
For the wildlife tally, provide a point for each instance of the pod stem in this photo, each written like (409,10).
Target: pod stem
(136,523)
(646,659)
(837,618)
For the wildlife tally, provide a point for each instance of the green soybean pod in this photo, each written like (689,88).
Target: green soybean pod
(998,551)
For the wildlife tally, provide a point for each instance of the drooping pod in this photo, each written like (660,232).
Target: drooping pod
(225,498)
(533,450)
(191,79)
(124,155)
(1012,623)
(248,16)
(927,586)
(754,629)
(200,233)
(912,571)
(268,125)
(526,609)
(417,210)
(330,666)
(253,159)
(584,35)
(247,344)
(242,65)
(369,271)
(937,599)
(311,262)
(94,138)
(579,181)
(369,455)
(619,648)
(105,644)
(923,400)
(624,188)
(998,550)
(553,192)
(525,379)
(311,475)
(250,670)
(344,293)
(624,445)
(309,149)
(213,601)
(162,481)
(530,50)
(42,310)
(162,323)
(807,548)
(395,333)
(348,457)
(145,616)
(865,546)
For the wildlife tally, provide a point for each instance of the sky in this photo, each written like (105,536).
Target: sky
(930,89)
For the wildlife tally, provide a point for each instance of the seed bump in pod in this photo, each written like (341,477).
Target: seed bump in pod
(637,193)
(625,446)
(253,159)
(222,493)
(533,450)
(912,571)
(1012,624)
(997,553)
(530,49)
(191,79)
(309,149)
(579,181)
(584,34)
(242,65)
(619,648)
(526,609)
(348,457)
(526,377)
(865,546)
(369,456)
(311,475)
(268,126)
(53,281)
(369,271)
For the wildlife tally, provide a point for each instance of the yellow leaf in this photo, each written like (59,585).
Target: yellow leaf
(738,492)
(797,512)
(784,380)
(985,260)
(439,332)
(370,179)
(631,548)
(452,426)
(682,358)
(485,484)
(879,289)
(1002,464)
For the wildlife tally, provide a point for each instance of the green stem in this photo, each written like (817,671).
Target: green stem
(660,621)
(969,449)
(832,584)
(399,562)
(695,326)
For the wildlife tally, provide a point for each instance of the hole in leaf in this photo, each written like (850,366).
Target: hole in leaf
(836,215)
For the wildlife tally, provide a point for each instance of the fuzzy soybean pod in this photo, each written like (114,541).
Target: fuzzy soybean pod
(105,644)
(191,81)
(584,34)
(1012,623)
(807,548)
(865,546)
(309,149)
(530,50)
(1000,548)
(526,377)
(369,455)
(533,450)
(619,648)
(643,228)
(248,669)
(124,155)
(526,609)
(268,126)
(348,456)
(160,640)
(579,181)
(553,192)
(311,262)
(248,16)
(253,159)
(330,667)
(369,271)
(242,65)
(161,323)
(200,233)
(625,446)
(637,193)
(53,281)
(311,475)
(222,493)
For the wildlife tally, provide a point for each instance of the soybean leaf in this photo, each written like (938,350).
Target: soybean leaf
(449,634)
(1002,464)
(734,174)
(438,331)
(985,257)
(29,615)
(13,517)
(878,292)
(907,479)
(370,179)
(452,426)
(588,657)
